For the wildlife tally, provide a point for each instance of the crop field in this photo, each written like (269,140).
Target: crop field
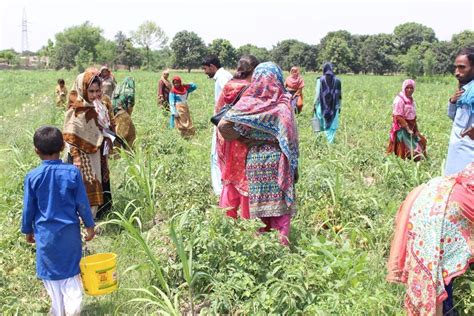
(178,253)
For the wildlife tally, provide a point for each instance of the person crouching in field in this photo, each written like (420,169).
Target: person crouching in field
(123,102)
(264,120)
(434,242)
(54,201)
(327,102)
(61,93)
(295,84)
(87,133)
(406,140)
(232,154)
(179,106)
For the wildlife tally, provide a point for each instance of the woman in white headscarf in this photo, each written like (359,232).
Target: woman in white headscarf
(164,88)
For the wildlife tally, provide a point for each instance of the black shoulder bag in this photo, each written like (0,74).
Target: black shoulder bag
(216,118)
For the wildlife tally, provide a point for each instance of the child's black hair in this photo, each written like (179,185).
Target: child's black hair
(61,81)
(48,140)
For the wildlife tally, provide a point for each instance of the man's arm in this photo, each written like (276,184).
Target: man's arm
(452,103)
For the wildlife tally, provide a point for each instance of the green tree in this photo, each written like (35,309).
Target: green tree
(351,45)
(413,62)
(72,40)
(261,53)
(435,57)
(47,51)
(126,53)
(161,59)
(459,41)
(304,55)
(377,54)
(64,55)
(337,51)
(408,34)
(188,50)
(339,34)
(223,49)
(443,53)
(289,53)
(10,57)
(462,40)
(83,59)
(357,42)
(149,35)
(106,52)
(429,61)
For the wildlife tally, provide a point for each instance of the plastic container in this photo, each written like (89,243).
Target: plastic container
(316,124)
(99,273)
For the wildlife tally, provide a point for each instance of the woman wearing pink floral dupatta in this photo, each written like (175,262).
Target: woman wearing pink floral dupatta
(232,154)
(433,241)
(264,120)
(406,140)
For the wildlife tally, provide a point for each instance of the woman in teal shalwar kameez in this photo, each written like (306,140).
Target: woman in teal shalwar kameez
(327,102)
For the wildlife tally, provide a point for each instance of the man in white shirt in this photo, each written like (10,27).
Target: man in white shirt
(212,67)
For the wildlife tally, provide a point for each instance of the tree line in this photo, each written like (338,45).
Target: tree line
(412,48)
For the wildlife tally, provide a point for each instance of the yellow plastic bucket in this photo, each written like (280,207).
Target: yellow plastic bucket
(99,273)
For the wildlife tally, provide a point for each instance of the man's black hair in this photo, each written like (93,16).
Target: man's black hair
(212,60)
(469,52)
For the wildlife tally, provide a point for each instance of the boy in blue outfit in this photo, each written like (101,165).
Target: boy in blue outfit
(54,199)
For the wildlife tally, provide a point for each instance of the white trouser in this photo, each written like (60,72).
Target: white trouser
(215,171)
(66,295)
(94,209)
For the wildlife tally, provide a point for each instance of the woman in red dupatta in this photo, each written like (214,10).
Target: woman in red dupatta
(434,242)
(178,100)
(232,154)
(295,84)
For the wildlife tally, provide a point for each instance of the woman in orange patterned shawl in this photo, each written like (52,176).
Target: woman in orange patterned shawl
(295,84)
(434,241)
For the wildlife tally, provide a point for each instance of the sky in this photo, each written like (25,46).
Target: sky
(260,22)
